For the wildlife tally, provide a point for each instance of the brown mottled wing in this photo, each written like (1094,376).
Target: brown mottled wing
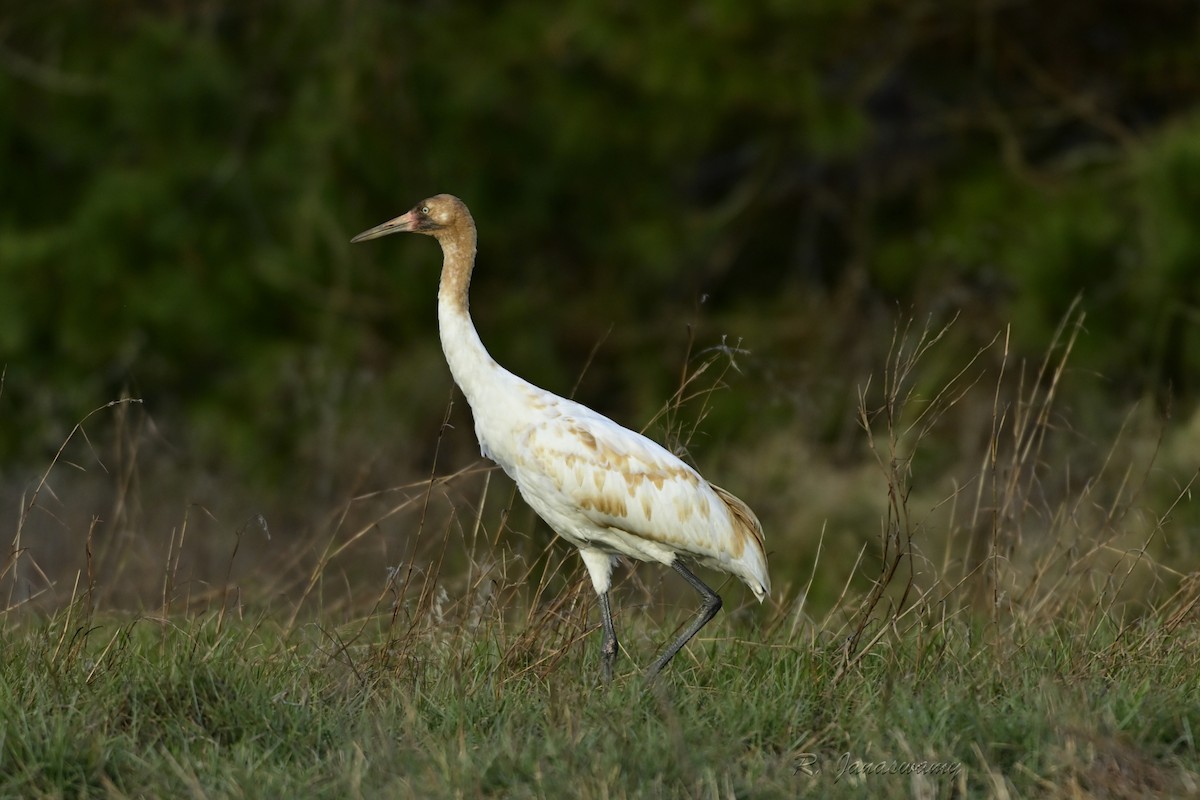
(593,471)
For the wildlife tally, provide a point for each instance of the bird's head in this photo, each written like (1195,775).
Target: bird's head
(434,216)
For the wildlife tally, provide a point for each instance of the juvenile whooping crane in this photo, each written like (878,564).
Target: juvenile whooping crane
(605,489)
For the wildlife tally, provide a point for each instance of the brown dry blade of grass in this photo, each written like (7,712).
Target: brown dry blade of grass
(1140,554)
(796,614)
(227,586)
(1078,566)
(429,618)
(334,548)
(89,549)
(128,436)
(337,546)
(550,633)
(1044,596)
(440,621)
(171,567)
(1087,571)
(1177,608)
(894,458)
(587,362)
(217,593)
(1168,615)
(676,440)
(72,640)
(428,493)
(12,564)
(1012,483)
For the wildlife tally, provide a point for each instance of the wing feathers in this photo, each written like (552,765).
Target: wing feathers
(620,480)
(746,524)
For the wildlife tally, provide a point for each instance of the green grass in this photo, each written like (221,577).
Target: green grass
(205,706)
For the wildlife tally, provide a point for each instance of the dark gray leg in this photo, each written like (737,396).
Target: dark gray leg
(712,604)
(609,648)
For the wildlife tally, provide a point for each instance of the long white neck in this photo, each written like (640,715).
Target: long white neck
(473,369)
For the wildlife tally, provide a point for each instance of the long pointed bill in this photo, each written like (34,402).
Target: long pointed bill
(404,222)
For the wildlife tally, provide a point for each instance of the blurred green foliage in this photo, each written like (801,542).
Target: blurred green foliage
(181,181)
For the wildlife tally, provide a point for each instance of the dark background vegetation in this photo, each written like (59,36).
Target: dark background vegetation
(180,182)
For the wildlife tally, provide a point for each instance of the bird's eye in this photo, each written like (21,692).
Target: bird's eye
(424,209)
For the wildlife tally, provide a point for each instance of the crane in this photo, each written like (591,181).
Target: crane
(604,488)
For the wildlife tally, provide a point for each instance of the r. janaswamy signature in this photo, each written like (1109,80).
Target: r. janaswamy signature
(848,765)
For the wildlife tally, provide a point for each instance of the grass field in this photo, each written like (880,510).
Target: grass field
(1029,632)
(217,706)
